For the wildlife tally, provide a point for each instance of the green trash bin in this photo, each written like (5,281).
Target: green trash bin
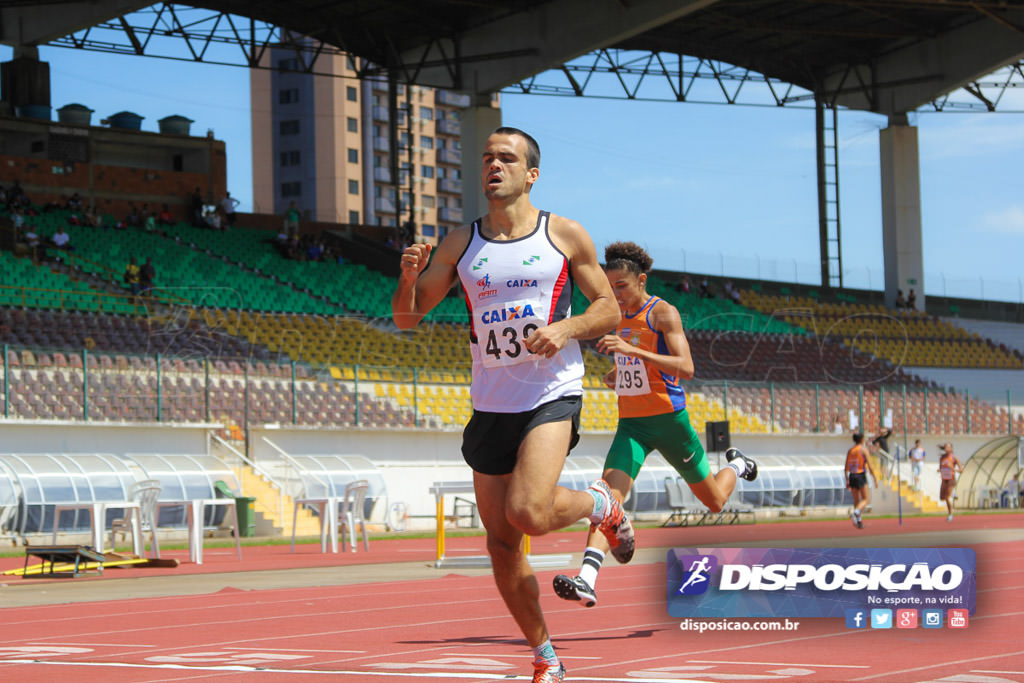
(246,508)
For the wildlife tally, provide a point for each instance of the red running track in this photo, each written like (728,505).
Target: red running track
(454,627)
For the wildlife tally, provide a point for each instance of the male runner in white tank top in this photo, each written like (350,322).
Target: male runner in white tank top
(527,370)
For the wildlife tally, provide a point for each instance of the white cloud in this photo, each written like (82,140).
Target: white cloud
(1008,221)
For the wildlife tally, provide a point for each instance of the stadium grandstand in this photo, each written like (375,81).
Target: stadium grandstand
(236,334)
(263,339)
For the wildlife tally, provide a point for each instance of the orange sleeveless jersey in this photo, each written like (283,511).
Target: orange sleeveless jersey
(947,463)
(643,389)
(856,460)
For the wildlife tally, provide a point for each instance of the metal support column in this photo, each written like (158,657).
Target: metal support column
(826,129)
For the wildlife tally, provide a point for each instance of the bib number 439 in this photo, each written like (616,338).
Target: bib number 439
(506,345)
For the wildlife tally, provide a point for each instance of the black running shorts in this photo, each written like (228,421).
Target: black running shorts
(858,480)
(490,442)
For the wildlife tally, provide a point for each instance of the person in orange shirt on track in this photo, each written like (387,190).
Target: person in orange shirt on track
(949,467)
(857,467)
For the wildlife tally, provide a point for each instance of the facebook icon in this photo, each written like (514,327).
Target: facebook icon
(856,618)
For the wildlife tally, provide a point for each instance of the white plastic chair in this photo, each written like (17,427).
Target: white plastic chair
(145,493)
(350,514)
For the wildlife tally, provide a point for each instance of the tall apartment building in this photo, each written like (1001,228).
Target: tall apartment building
(323,142)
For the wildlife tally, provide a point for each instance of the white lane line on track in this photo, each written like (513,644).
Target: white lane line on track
(936,665)
(447,675)
(813,666)
(64,642)
(291,649)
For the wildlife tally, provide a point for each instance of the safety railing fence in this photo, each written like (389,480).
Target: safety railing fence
(237,392)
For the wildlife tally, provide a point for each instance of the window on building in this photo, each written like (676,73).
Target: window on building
(288,96)
(455,173)
(291,189)
(426,113)
(351,93)
(353,187)
(353,217)
(441,173)
(406,198)
(291,64)
(353,156)
(428,201)
(442,232)
(428,171)
(290,157)
(441,143)
(426,142)
(290,127)
(353,125)
(427,230)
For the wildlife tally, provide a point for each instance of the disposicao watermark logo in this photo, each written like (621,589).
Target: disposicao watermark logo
(697,578)
(856,584)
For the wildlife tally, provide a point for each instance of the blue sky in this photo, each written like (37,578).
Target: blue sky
(706,188)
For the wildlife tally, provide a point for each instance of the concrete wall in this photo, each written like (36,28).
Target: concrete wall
(409,460)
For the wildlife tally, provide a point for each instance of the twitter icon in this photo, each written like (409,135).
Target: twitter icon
(881,618)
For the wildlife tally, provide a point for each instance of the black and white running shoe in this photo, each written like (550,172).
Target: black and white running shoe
(750,472)
(574,588)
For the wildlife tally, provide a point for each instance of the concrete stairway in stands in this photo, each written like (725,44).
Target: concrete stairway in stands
(274,509)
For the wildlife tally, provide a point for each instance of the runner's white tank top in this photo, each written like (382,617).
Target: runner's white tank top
(512,287)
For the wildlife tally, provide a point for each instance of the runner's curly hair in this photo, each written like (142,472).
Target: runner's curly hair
(628,256)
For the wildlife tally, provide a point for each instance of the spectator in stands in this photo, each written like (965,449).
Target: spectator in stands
(684,285)
(213,219)
(705,289)
(949,466)
(228,205)
(93,218)
(132,275)
(32,241)
(912,300)
(165,217)
(17,218)
(74,203)
(149,221)
(315,250)
(16,195)
(732,292)
(195,209)
(900,301)
(133,219)
(291,220)
(147,276)
(62,240)
(917,456)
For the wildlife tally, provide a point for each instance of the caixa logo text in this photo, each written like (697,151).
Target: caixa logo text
(832,577)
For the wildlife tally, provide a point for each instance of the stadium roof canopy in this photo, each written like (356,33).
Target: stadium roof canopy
(886,56)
